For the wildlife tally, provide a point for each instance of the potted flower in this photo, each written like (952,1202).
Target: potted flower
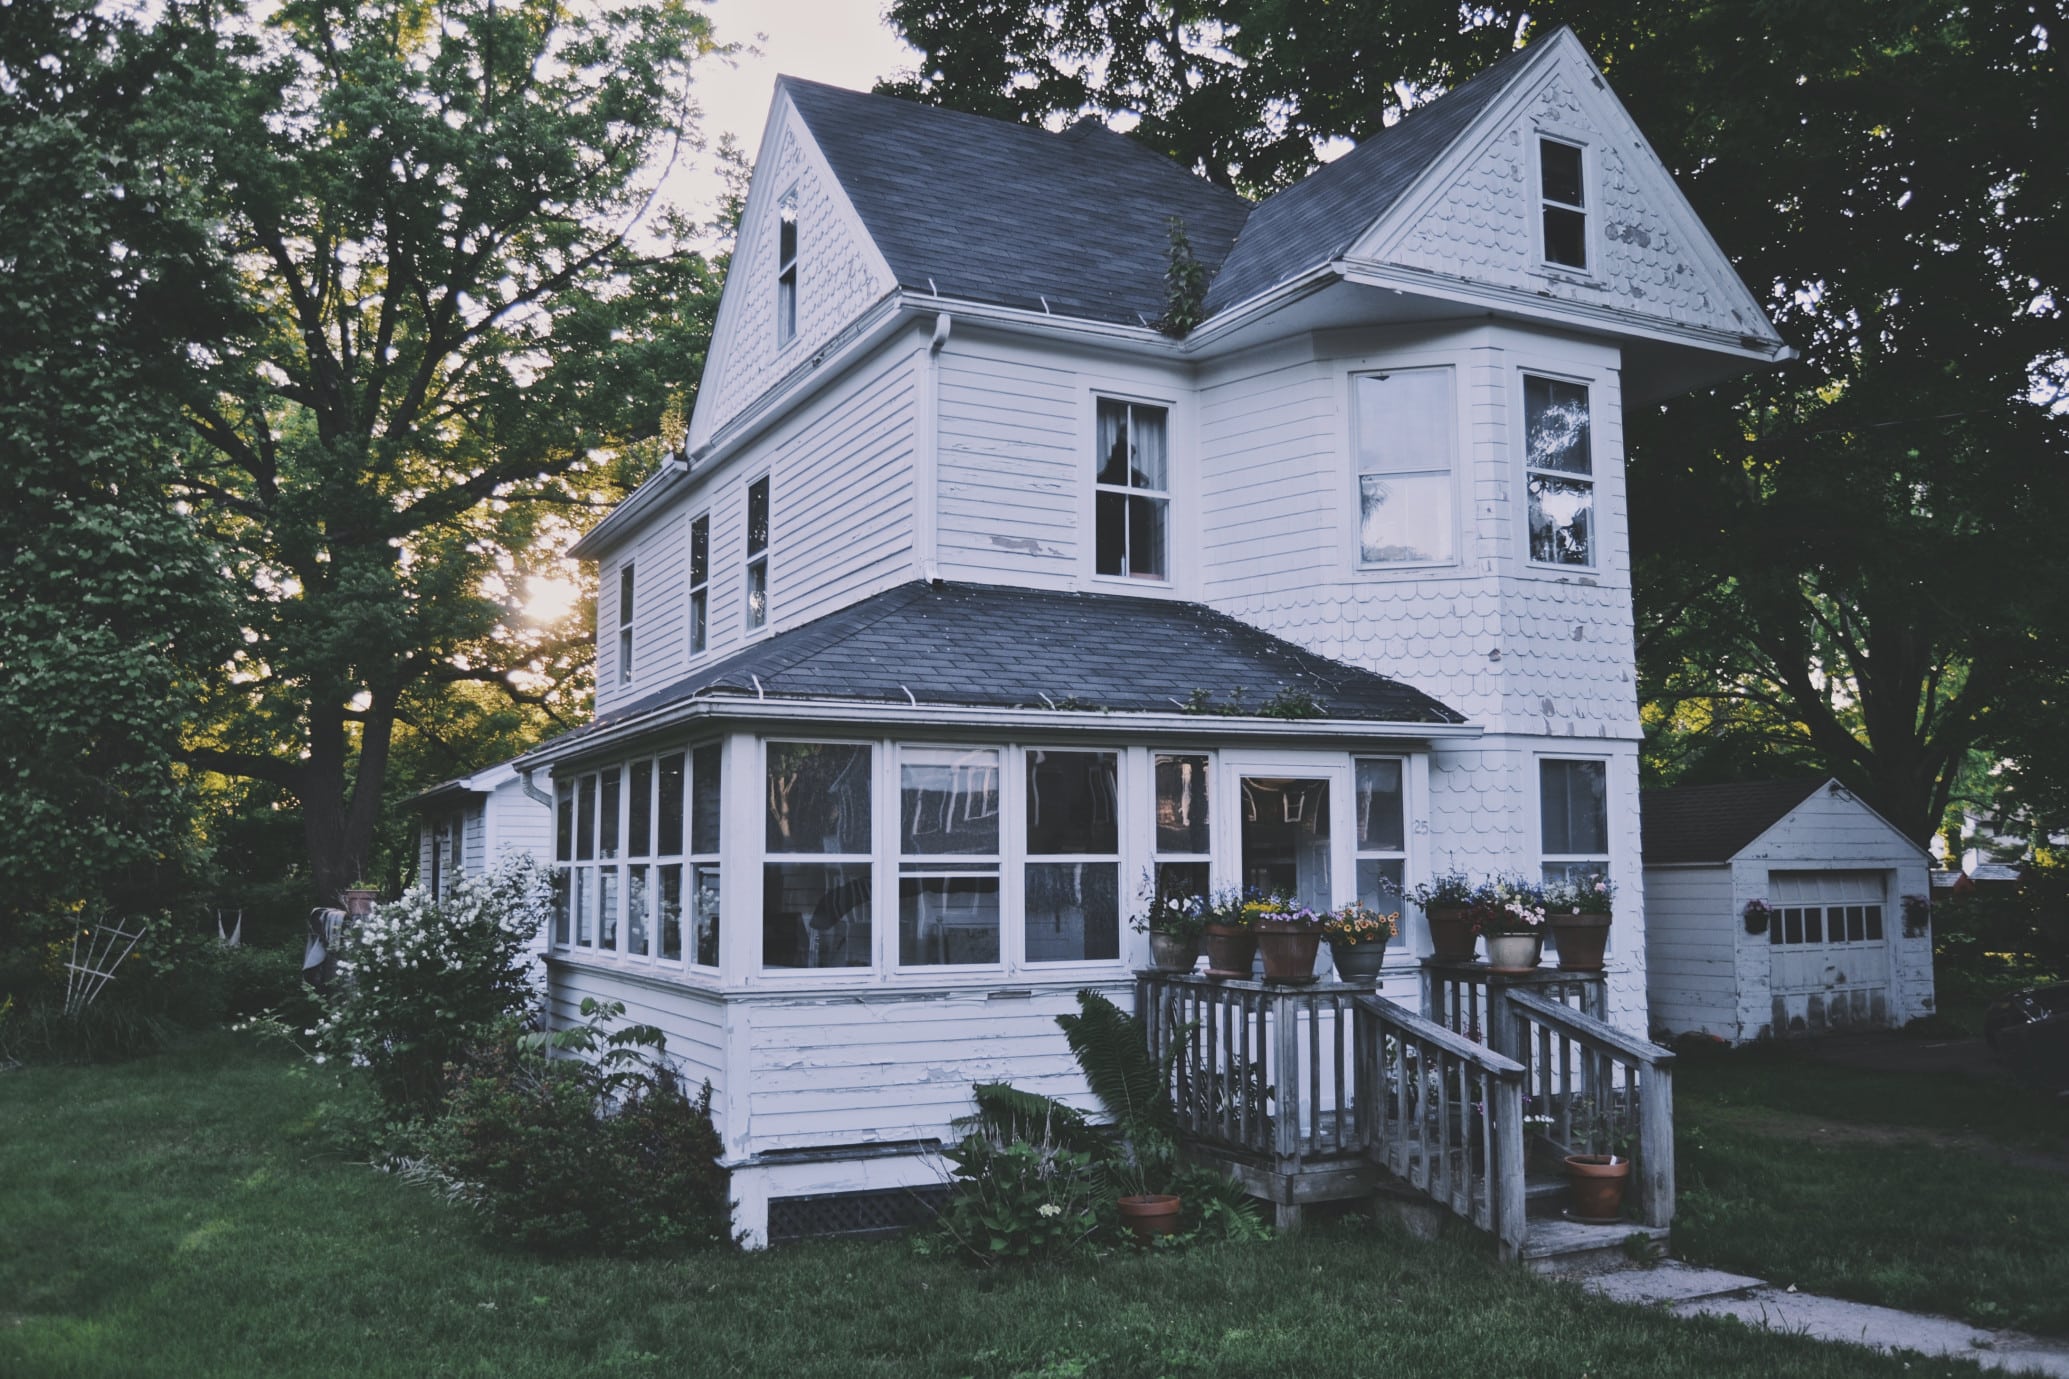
(1595,1183)
(1289,935)
(1757,915)
(1358,936)
(1174,924)
(1514,925)
(357,899)
(1450,903)
(1231,941)
(1578,912)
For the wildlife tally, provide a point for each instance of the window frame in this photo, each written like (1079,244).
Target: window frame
(1359,854)
(628,588)
(1159,857)
(697,600)
(872,862)
(1606,857)
(1541,202)
(757,560)
(786,268)
(1457,426)
(1168,495)
(977,863)
(1019,857)
(1596,563)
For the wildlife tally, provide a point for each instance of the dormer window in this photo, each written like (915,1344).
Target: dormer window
(625,626)
(1560,470)
(786,268)
(758,553)
(1562,192)
(1133,495)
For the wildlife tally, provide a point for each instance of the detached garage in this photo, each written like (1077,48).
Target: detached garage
(1781,908)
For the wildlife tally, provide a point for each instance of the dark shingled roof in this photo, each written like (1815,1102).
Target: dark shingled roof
(985,210)
(1318,218)
(1714,823)
(984,646)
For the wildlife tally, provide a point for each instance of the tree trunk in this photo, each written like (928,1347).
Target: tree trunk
(338,816)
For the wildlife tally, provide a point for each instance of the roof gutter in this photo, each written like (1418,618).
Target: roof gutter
(1274,298)
(701,710)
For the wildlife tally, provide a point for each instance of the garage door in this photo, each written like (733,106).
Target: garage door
(1830,956)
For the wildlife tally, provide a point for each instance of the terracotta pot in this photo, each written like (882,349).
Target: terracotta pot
(1154,1215)
(1172,952)
(1289,951)
(1595,1185)
(1514,953)
(1452,928)
(1582,941)
(1357,962)
(358,900)
(1230,948)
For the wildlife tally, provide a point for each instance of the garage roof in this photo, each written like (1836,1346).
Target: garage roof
(1715,823)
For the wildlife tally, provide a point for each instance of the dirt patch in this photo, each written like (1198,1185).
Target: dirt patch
(1789,1125)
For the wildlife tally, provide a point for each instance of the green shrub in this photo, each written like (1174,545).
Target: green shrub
(1020,1198)
(566,1154)
(40,1031)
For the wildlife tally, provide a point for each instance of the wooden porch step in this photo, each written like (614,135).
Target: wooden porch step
(1569,1249)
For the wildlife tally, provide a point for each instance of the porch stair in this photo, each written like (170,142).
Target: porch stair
(1574,1249)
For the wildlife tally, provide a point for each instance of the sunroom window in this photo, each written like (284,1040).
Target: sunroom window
(1406,492)
(1181,836)
(1563,201)
(1382,838)
(948,868)
(1133,494)
(816,902)
(1073,868)
(1560,470)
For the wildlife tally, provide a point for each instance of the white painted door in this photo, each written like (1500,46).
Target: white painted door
(1829,950)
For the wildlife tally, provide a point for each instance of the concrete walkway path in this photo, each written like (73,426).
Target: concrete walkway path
(1692,1291)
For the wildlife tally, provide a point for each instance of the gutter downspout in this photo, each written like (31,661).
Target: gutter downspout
(524,783)
(927,473)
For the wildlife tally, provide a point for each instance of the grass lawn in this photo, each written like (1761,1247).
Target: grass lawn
(174,1217)
(1931,1191)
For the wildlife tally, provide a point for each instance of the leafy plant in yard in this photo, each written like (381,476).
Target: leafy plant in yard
(568,1154)
(424,977)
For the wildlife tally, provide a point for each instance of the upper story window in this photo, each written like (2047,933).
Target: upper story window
(625,626)
(1404,443)
(1133,492)
(1563,198)
(1573,818)
(758,553)
(700,580)
(1560,471)
(786,268)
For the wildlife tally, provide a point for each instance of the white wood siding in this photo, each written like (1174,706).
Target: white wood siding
(1009,471)
(692,1020)
(1691,933)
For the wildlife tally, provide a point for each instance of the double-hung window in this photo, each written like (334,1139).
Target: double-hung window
(1180,828)
(1073,869)
(610,817)
(625,583)
(948,857)
(1382,838)
(1560,470)
(1404,443)
(1132,493)
(758,553)
(1573,818)
(1563,202)
(817,906)
(700,581)
(786,268)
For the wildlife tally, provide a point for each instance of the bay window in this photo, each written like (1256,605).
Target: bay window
(1404,443)
(1559,471)
(1573,818)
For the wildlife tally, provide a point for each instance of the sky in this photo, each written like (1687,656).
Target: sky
(842,42)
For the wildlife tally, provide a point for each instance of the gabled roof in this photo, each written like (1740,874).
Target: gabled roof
(1715,823)
(1317,219)
(967,207)
(987,646)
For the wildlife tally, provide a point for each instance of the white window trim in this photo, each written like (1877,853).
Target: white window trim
(977,864)
(880,956)
(765,558)
(691,650)
(1402,942)
(1460,366)
(1591,189)
(1558,372)
(1607,857)
(628,609)
(789,268)
(1089,488)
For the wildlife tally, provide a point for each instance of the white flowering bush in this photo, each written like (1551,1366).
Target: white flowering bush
(422,977)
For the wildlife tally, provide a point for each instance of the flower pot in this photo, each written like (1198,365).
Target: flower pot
(1289,951)
(1172,952)
(1452,928)
(1149,1216)
(1514,952)
(1357,962)
(358,900)
(1582,939)
(1230,949)
(1595,1186)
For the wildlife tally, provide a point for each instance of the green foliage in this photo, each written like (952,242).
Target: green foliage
(1185,285)
(421,979)
(1112,1049)
(1018,1198)
(568,1155)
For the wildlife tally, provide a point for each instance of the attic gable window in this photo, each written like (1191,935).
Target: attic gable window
(786,268)
(1132,497)
(758,553)
(1560,471)
(1561,190)
(625,626)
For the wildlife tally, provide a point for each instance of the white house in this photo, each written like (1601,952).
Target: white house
(1848,941)
(976,600)
(465,825)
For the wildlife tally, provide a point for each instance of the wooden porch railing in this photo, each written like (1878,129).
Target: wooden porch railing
(1599,1086)
(1447,1118)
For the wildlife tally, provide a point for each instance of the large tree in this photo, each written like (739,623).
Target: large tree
(109,607)
(1844,562)
(465,315)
